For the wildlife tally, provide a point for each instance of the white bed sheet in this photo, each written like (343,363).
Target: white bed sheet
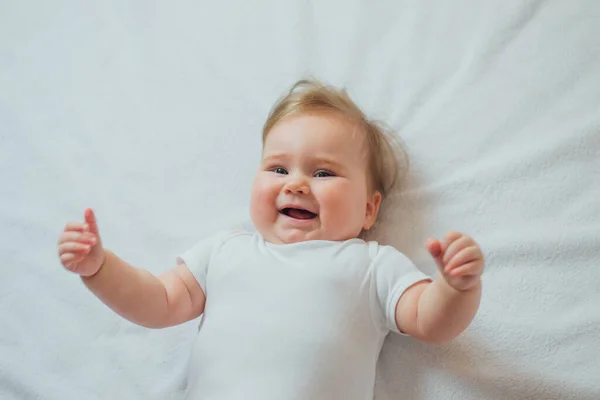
(150,112)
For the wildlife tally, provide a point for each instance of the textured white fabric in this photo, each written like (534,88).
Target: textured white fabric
(150,112)
(296,321)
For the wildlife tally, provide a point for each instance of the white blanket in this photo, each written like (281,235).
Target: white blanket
(150,112)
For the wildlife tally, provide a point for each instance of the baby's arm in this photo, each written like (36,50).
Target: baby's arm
(155,302)
(441,310)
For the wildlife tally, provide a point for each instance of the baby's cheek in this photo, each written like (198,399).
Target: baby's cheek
(341,195)
(262,192)
(262,199)
(349,202)
(334,202)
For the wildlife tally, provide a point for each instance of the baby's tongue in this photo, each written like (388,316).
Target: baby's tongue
(300,214)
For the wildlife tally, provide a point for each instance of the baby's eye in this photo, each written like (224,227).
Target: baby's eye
(280,170)
(323,174)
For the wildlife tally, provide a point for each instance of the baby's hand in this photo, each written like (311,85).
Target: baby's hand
(459,259)
(79,246)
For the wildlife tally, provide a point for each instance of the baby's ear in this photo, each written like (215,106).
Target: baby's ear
(373,203)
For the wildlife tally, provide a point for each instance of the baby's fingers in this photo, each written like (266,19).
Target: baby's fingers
(434,248)
(463,257)
(75,226)
(73,247)
(450,238)
(456,247)
(71,236)
(472,268)
(90,219)
(68,259)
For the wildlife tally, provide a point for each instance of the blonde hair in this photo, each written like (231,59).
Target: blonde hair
(386,158)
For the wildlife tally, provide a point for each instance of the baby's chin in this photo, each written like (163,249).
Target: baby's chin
(290,236)
(287,236)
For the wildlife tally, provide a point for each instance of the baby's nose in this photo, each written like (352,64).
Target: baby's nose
(297,185)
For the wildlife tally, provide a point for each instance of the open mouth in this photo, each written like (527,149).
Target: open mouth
(298,213)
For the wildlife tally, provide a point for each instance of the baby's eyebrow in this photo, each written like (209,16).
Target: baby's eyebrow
(329,162)
(321,160)
(274,157)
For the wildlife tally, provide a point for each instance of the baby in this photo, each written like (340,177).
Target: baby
(300,308)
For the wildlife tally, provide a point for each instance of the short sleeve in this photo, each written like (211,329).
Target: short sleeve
(392,273)
(198,258)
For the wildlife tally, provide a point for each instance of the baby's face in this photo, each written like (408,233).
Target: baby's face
(312,182)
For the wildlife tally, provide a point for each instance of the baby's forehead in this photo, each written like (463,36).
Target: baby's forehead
(332,126)
(323,131)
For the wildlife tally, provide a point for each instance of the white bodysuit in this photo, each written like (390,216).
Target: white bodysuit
(293,321)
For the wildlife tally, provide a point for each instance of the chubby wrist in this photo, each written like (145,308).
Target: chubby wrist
(446,287)
(105,254)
